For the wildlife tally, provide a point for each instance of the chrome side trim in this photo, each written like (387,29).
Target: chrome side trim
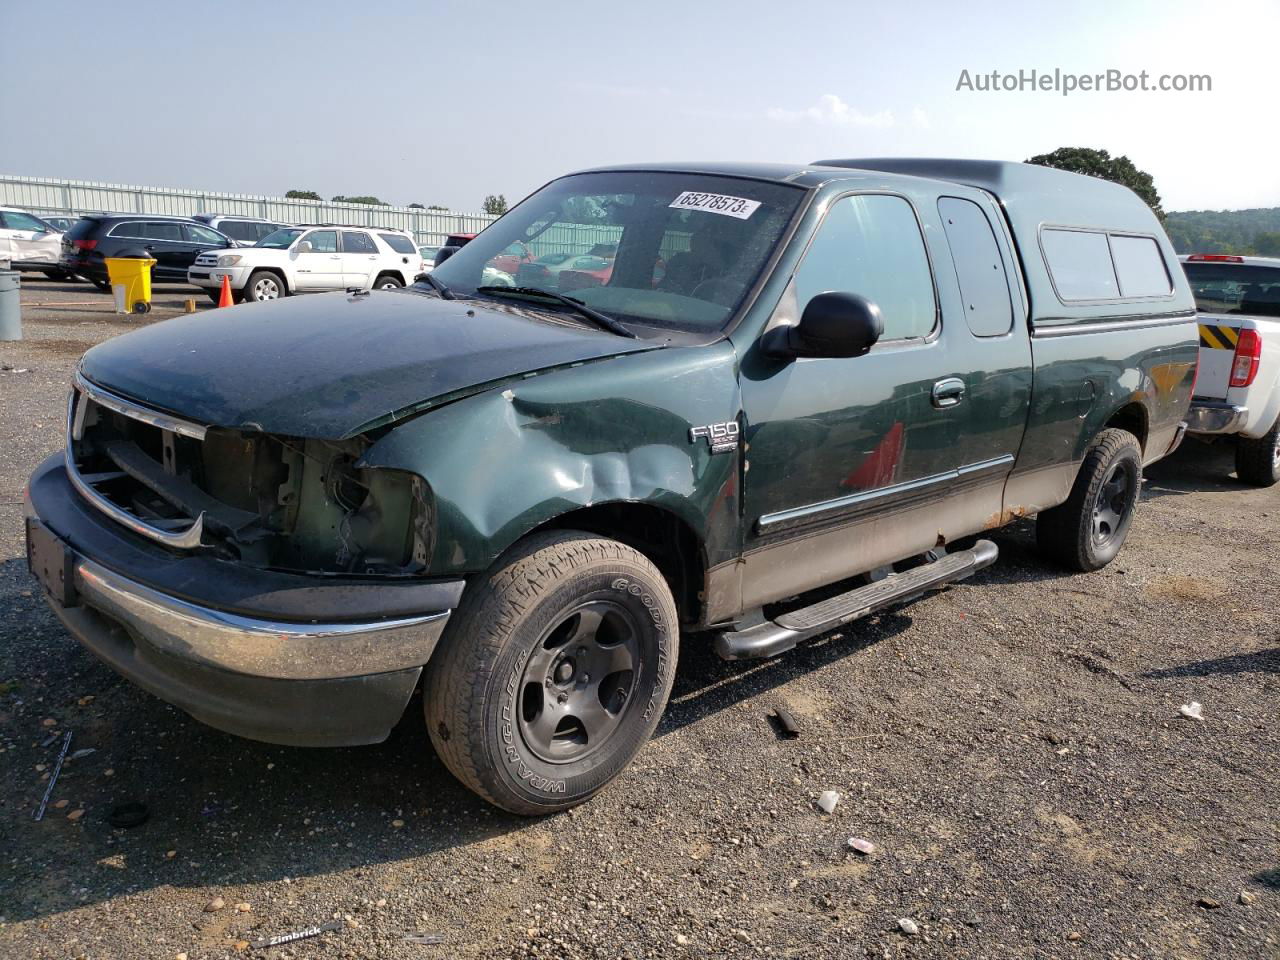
(869,500)
(128,408)
(263,648)
(1078,327)
(187,539)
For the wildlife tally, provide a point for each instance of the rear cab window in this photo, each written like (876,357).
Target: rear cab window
(1087,265)
(980,268)
(1235,288)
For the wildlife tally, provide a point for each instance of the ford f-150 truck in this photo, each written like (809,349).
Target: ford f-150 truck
(1237,394)
(286,517)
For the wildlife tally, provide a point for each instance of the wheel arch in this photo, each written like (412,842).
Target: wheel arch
(1133,417)
(661,535)
(284,277)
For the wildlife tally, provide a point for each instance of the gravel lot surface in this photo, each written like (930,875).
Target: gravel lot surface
(1012,747)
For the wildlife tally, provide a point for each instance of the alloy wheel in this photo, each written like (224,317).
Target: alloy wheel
(578,681)
(1115,500)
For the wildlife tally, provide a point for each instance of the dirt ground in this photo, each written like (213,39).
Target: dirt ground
(1012,747)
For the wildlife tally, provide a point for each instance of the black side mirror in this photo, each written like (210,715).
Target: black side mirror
(444,253)
(832,325)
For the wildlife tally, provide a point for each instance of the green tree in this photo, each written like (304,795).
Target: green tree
(302,195)
(416,206)
(1267,244)
(436,206)
(495,205)
(373,201)
(1099,163)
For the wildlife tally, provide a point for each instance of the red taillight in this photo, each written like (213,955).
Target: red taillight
(1248,353)
(1214,258)
(84,244)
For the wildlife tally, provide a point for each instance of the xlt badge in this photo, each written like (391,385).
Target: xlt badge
(720,437)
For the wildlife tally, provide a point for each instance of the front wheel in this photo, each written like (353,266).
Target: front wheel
(1087,531)
(1258,460)
(262,286)
(553,672)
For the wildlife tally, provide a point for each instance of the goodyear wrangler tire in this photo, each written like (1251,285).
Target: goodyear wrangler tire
(1087,531)
(554,671)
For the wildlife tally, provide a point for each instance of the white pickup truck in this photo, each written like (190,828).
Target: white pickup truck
(1237,391)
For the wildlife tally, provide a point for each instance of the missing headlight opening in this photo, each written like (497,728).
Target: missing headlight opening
(277,502)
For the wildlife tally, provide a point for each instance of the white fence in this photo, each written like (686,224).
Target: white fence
(75,197)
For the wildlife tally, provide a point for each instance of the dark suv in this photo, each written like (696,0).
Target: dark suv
(174,242)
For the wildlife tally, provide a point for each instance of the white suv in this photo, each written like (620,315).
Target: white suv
(310,259)
(29,243)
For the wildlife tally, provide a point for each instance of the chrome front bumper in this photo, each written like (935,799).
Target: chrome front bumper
(1207,416)
(260,648)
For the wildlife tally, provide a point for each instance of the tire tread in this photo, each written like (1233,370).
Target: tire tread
(455,688)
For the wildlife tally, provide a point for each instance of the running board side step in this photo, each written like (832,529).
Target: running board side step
(777,636)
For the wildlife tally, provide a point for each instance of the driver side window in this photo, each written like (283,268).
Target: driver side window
(871,245)
(323,241)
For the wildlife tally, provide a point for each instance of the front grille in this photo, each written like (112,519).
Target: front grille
(207,260)
(137,465)
(281,502)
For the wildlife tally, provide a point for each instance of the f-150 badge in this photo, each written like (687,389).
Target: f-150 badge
(720,437)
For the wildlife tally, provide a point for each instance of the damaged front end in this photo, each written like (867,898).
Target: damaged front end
(276,502)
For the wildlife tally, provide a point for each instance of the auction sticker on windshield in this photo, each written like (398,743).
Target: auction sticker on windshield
(715,203)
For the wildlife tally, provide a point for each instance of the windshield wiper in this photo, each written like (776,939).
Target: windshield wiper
(439,287)
(602,320)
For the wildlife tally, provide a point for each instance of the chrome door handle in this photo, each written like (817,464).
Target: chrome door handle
(948,392)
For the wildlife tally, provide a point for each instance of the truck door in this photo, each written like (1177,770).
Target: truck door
(320,267)
(854,463)
(359,259)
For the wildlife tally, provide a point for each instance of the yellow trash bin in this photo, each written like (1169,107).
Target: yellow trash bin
(131,283)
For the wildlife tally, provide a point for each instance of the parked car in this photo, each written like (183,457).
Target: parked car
(547,269)
(452,244)
(512,258)
(1238,390)
(30,243)
(58,221)
(245,231)
(309,260)
(173,242)
(428,255)
(284,517)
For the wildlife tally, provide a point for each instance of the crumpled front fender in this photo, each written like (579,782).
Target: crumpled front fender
(502,463)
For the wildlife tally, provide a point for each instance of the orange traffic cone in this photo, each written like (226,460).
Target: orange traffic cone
(224,299)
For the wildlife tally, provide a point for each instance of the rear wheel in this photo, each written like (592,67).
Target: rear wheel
(553,672)
(1087,531)
(58,275)
(103,285)
(1258,461)
(388,281)
(264,285)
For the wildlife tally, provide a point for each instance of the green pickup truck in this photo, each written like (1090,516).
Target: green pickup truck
(775,399)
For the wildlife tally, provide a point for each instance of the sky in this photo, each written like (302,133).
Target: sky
(446,101)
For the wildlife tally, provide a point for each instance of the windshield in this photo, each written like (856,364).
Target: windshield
(673,250)
(1235,288)
(280,240)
